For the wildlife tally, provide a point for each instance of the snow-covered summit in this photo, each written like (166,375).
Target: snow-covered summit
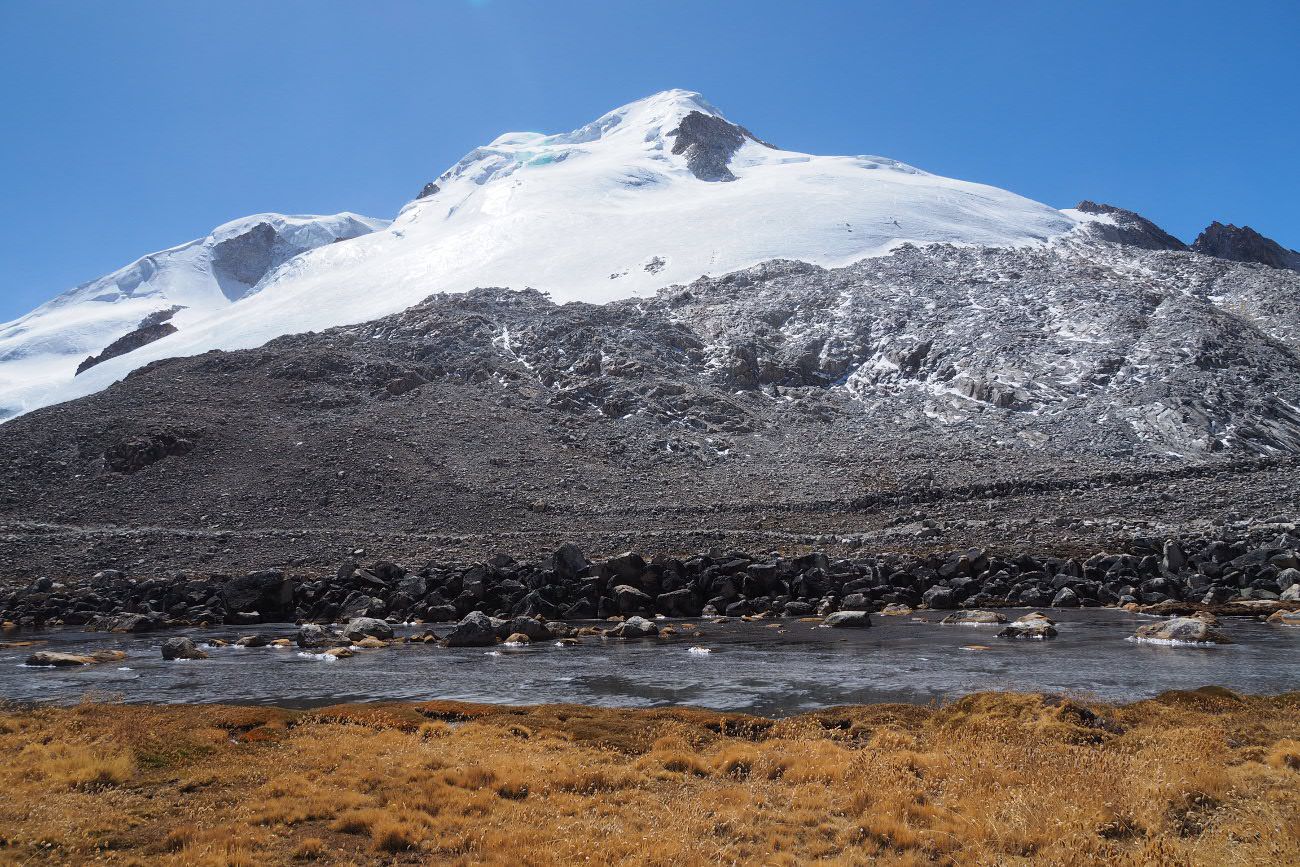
(660,191)
(41,350)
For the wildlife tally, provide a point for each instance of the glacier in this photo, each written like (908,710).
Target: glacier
(659,192)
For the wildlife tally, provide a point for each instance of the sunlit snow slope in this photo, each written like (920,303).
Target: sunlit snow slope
(658,192)
(40,351)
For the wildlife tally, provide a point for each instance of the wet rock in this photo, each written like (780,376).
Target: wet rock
(476,629)
(370,643)
(339,652)
(634,627)
(534,630)
(974,617)
(848,619)
(252,641)
(361,627)
(1183,629)
(49,658)
(181,648)
(1285,618)
(896,609)
(1035,625)
(311,636)
(518,638)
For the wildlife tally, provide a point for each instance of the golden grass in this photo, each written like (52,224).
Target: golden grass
(1188,778)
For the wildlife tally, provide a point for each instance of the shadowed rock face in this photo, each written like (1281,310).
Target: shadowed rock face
(709,143)
(155,326)
(1244,244)
(1130,228)
(238,263)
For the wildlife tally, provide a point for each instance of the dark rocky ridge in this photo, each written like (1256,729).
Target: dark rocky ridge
(1052,401)
(1244,244)
(153,327)
(1130,228)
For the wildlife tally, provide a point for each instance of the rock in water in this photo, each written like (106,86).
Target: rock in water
(312,635)
(848,619)
(181,648)
(634,627)
(361,627)
(1183,629)
(64,660)
(476,629)
(1286,618)
(977,617)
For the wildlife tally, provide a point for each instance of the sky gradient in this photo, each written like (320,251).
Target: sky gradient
(135,126)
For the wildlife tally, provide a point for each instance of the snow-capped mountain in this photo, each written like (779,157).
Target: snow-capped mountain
(180,286)
(658,192)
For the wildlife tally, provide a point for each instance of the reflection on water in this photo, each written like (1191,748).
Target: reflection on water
(750,667)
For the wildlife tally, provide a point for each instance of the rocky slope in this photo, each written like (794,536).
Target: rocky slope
(1051,400)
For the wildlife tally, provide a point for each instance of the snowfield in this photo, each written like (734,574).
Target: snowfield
(39,352)
(605,212)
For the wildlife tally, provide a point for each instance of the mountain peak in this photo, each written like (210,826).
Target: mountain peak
(1244,244)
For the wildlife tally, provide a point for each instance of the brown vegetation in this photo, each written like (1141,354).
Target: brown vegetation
(1188,778)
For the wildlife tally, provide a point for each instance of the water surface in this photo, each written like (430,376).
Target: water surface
(751,667)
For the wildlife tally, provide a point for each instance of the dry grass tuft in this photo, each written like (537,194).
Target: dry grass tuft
(1207,777)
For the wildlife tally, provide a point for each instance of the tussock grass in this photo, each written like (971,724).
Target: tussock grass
(1188,778)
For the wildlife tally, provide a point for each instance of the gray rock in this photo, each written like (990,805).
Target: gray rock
(361,627)
(938,597)
(312,635)
(48,658)
(634,627)
(1189,629)
(181,648)
(630,600)
(848,619)
(476,629)
(1065,598)
(974,617)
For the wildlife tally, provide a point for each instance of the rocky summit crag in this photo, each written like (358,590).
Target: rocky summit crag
(1053,400)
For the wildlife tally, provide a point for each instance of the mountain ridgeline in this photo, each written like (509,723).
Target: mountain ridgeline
(735,343)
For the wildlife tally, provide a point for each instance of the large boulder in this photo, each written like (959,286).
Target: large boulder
(631,600)
(363,627)
(1285,618)
(974,617)
(181,648)
(49,658)
(1065,598)
(312,636)
(848,619)
(126,623)
(938,597)
(1035,625)
(536,630)
(568,561)
(267,592)
(476,629)
(634,627)
(1182,629)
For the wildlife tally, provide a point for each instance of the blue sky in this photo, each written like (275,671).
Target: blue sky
(133,126)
